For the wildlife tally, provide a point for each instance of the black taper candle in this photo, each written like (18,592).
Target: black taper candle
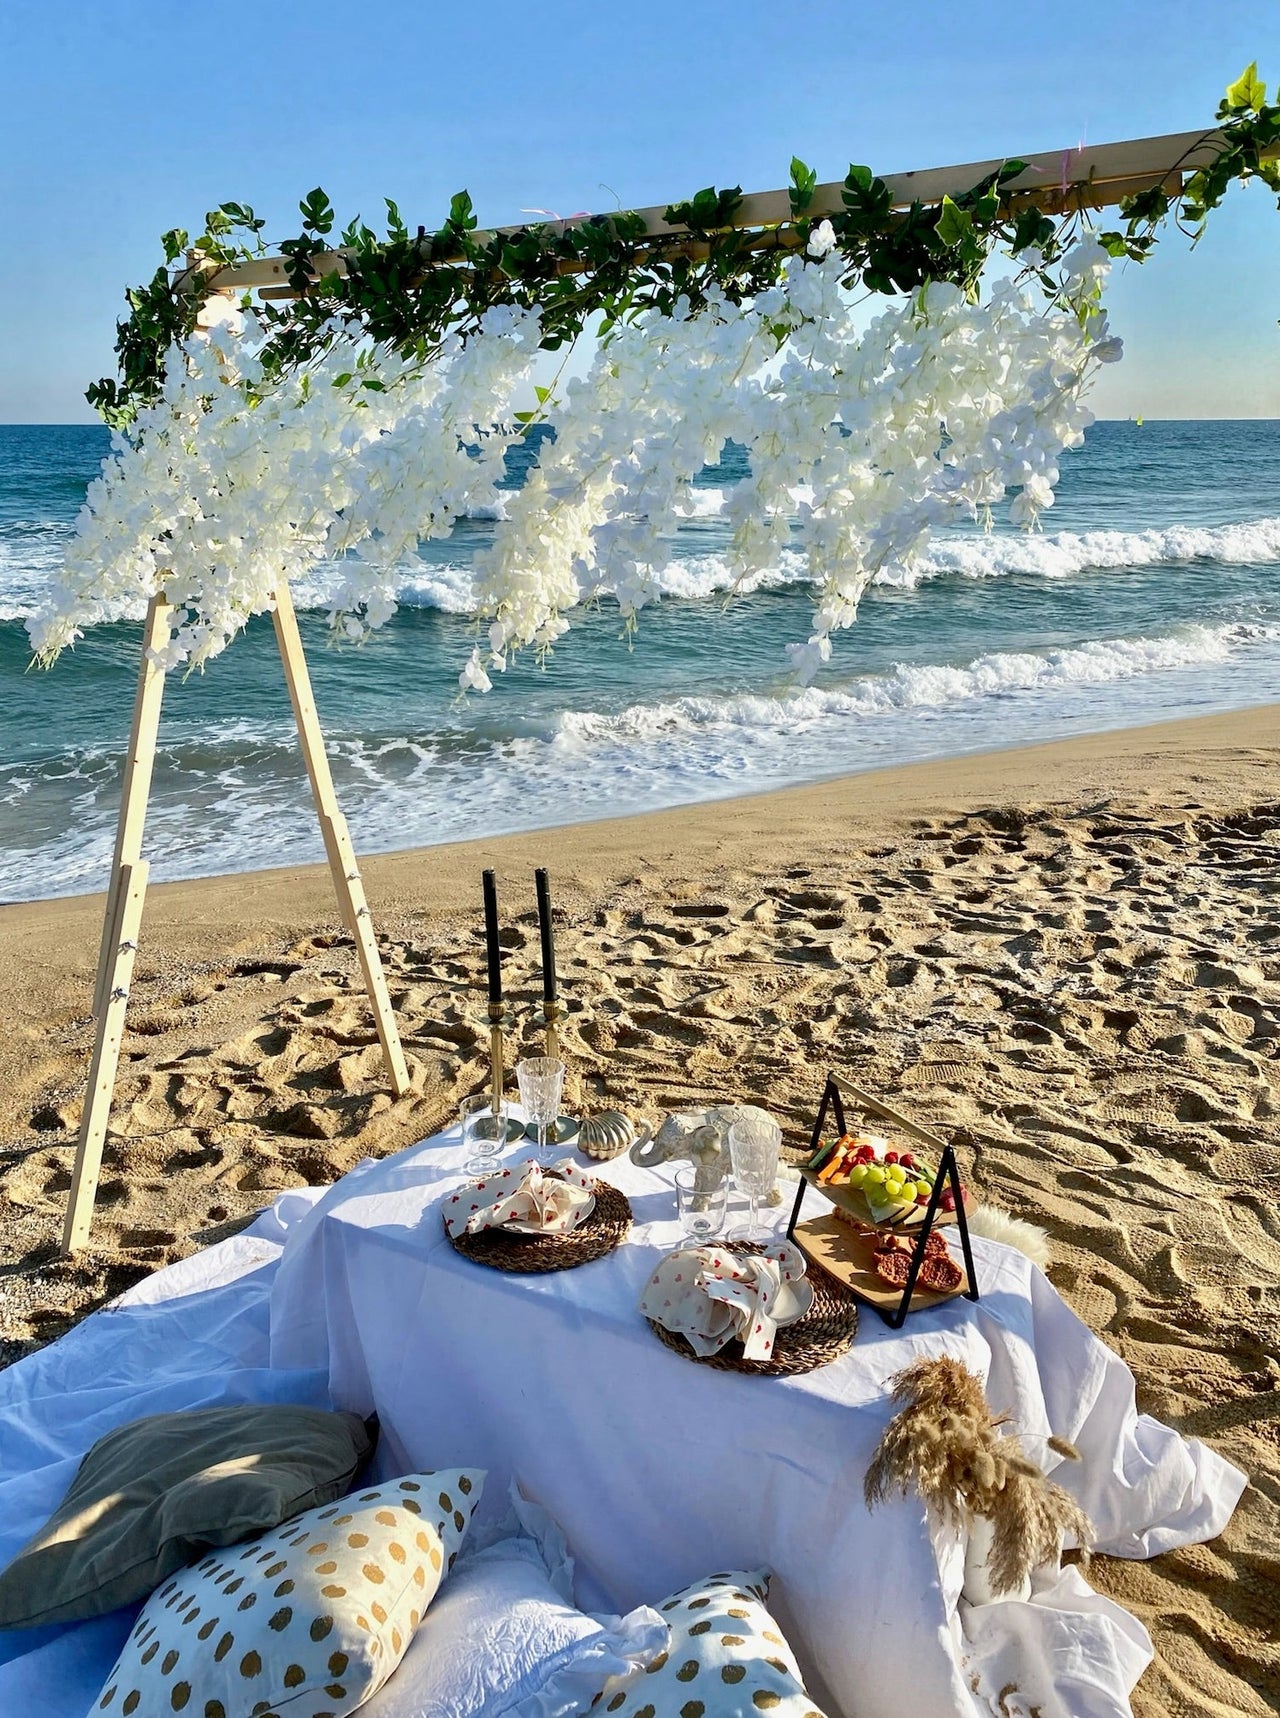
(543,886)
(491,936)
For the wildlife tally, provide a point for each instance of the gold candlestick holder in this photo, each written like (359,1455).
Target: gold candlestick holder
(499,1020)
(565,1128)
(551,1038)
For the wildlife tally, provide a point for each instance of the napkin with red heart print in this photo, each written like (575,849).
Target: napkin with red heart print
(525,1198)
(710,1295)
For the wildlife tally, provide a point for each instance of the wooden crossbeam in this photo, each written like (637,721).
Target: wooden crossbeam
(1056,179)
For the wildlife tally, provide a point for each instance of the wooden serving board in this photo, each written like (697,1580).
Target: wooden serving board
(849,1256)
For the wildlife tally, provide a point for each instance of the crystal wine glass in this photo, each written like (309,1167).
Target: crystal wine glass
(483,1132)
(541,1082)
(754,1146)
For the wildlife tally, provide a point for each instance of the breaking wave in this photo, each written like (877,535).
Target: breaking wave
(924,686)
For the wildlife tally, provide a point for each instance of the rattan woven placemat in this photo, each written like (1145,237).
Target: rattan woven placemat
(824,1333)
(505,1250)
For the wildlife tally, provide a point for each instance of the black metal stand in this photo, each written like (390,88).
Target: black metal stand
(948,1174)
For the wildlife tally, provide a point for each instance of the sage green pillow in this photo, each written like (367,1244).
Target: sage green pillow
(152,1495)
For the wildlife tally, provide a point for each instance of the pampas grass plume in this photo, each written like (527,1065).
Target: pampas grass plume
(946,1443)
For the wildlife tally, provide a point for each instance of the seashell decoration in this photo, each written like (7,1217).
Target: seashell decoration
(607,1134)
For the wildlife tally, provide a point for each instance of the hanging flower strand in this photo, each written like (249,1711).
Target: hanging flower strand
(937,410)
(223,489)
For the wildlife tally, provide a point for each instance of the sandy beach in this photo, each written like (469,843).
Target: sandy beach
(1066,954)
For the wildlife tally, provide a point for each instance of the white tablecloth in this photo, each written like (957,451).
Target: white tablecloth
(661,1471)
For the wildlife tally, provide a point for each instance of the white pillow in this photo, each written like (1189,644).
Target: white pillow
(500,1640)
(311,1617)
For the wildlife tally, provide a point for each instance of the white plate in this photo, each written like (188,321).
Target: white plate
(794,1300)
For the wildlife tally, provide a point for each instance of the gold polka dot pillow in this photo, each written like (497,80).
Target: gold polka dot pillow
(726,1658)
(309,1619)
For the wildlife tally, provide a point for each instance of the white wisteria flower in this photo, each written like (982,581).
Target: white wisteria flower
(938,409)
(228,487)
(860,441)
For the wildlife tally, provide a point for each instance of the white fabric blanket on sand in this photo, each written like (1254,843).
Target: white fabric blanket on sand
(659,1470)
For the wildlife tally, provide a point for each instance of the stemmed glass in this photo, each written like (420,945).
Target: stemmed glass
(754,1146)
(483,1132)
(541,1082)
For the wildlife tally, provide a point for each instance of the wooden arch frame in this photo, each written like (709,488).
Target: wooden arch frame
(1057,181)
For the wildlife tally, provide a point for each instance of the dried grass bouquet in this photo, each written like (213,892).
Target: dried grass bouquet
(946,1443)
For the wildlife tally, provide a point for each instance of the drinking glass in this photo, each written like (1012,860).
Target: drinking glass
(541,1081)
(483,1132)
(702,1210)
(754,1145)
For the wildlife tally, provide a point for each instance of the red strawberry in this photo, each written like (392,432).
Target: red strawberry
(891,1157)
(907,1161)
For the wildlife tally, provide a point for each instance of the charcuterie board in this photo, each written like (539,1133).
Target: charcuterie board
(892,1187)
(849,1255)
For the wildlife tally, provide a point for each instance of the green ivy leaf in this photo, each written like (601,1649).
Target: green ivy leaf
(954,223)
(1248,93)
(241,215)
(707,210)
(868,199)
(461,217)
(357,236)
(1031,227)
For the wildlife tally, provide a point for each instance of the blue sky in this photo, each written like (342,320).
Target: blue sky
(119,118)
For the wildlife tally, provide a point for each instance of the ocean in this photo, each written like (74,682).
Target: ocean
(1151,593)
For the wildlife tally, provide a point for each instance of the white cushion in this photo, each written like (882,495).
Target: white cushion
(309,1619)
(500,1640)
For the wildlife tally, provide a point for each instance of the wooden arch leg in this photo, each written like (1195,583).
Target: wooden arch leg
(337,838)
(119,930)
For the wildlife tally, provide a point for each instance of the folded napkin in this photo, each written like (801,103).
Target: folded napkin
(712,1294)
(527,1199)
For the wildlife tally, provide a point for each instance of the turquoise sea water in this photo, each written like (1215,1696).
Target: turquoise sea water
(1151,593)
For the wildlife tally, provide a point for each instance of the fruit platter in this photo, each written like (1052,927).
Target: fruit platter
(873,1182)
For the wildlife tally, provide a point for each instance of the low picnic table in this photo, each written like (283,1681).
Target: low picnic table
(661,1470)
